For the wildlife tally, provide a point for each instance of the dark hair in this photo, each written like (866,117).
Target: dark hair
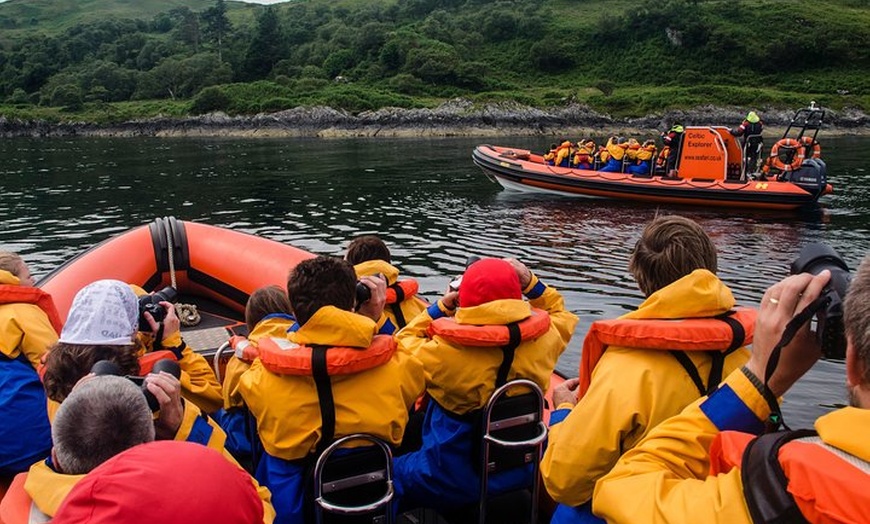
(365,248)
(856,315)
(99,419)
(66,364)
(318,282)
(670,248)
(264,301)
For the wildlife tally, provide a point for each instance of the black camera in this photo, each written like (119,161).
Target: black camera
(107,367)
(151,304)
(830,330)
(363,293)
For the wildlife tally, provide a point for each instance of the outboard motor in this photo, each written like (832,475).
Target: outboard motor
(812,176)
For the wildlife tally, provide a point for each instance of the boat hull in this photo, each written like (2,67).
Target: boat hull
(520,170)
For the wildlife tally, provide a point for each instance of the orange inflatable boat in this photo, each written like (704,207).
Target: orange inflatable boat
(710,171)
(213,268)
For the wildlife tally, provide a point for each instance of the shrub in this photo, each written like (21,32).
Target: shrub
(210,99)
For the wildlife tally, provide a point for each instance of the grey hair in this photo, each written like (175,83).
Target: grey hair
(10,262)
(99,419)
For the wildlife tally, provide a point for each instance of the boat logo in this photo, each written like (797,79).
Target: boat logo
(761,185)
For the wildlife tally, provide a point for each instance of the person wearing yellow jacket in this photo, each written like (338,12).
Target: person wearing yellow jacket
(461,376)
(29,324)
(704,465)
(636,382)
(198,381)
(615,148)
(267,314)
(370,256)
(331,377)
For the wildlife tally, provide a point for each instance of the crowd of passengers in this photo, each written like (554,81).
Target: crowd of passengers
(652,430)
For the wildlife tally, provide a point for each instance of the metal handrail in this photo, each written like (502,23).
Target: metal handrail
(216,360)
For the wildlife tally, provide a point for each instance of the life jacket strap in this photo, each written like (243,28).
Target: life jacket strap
(717,364)
(324,396)
(764,482)
(508,352)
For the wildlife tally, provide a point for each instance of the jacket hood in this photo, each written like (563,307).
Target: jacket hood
(497,312)
(374,267)
(276,326)
(698,294)
(356,330)
(8,278)
(837,428)
(171,482)
(47,487)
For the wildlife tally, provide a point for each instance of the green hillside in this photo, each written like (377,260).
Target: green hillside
(115,59)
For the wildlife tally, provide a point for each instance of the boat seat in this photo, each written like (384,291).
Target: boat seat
(513,433)
(355,487)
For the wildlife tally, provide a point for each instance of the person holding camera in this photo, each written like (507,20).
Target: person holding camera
(708,465)
(160,331)
(103,324)
(645,366)
(100,418)
(454,340)
(370,256)
(331,377)
(29,324)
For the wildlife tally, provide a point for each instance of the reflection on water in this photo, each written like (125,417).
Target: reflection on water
(424,196)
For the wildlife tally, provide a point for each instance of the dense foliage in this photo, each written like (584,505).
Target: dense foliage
(621,56)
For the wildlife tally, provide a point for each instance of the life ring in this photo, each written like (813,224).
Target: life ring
(787,154)
(812,149)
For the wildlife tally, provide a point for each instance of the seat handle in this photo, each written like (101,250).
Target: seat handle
(534,441)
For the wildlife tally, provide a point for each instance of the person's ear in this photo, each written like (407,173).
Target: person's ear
(57,466)
(855,368)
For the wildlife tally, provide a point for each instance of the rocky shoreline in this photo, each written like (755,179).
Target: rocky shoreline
(459,117)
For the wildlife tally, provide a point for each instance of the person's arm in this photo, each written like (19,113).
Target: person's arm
(587,443)
(198,381)
(414,335)
(667,473)
(37,333)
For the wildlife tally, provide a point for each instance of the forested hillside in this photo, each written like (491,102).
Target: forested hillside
(115,59)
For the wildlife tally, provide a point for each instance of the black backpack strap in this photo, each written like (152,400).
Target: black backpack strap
(396,307)
(764,482)
(324,397)
(508,352)
(691,370)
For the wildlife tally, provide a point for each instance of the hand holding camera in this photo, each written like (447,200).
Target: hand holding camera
(371,302)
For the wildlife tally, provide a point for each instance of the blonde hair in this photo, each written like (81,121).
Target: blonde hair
(11,262)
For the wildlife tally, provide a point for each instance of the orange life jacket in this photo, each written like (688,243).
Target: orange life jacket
(796,475)
(712,334)
(284,357)
(490,335)
(10,294)
(402,290)
(147,361)
(17,507)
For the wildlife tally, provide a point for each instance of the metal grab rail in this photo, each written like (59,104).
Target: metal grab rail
(385,474)
(488,439)
(216,361)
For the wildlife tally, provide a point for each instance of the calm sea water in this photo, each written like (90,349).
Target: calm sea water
(426,198)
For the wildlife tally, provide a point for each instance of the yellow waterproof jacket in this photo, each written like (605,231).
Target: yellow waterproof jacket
(667,474)
(24,328)
(270,327)
(631,392)
(462,378)
(563,152)
(614,150)
(374,401)
(411,306)
(646,153)
(198,381)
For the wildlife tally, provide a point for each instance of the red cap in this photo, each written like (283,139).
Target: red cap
(489,279)
(165,481)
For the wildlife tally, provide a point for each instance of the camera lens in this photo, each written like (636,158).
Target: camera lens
(815,258)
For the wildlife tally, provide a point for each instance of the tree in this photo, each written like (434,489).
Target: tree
(266,48)
(217,25)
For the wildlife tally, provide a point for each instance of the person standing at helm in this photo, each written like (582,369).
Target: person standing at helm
(752,143)
(29,324)
(673,141)
(454,339)
(370,256)
(632,374)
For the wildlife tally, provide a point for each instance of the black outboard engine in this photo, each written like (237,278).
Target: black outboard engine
(812,176)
